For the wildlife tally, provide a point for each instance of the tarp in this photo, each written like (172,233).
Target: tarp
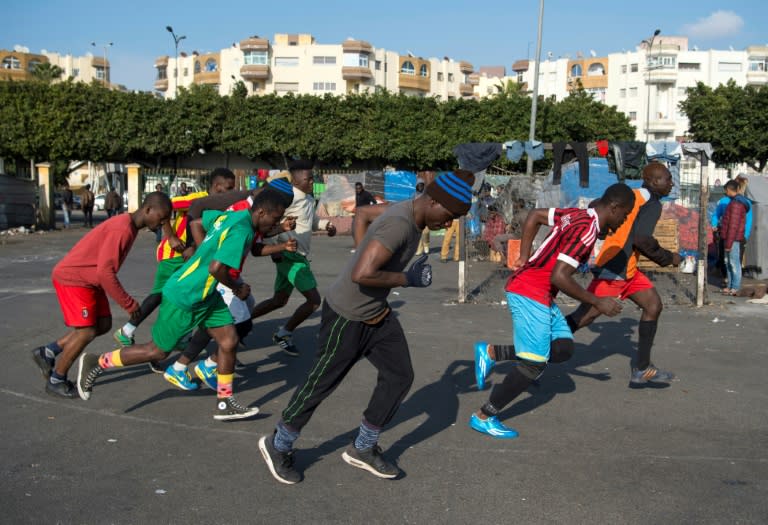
(756,260)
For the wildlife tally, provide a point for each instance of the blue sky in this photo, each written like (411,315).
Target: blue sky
(478,32)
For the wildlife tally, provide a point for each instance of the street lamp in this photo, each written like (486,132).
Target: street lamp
(106,67)
(176,40)
(649,43)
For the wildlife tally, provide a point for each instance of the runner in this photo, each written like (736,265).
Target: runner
(540,331)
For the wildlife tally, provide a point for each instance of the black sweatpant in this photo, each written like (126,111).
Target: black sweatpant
(341,344)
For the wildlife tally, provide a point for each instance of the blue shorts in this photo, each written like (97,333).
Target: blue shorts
(535,326)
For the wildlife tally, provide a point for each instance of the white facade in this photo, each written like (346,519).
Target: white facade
(298,64)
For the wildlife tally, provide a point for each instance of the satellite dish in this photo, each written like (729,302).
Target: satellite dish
(592,53)
(550,54)
(695,48)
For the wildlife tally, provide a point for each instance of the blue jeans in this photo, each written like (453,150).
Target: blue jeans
(65,210)
(733,266)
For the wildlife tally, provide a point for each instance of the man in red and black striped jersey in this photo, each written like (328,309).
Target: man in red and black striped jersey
(540,331)
(617,275)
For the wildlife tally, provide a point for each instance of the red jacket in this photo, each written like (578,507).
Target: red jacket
(733,221)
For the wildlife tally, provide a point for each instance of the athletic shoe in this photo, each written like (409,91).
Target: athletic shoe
(492,426)
(88,370)
(207,374)
(483,364)
(61,389)
(650,375)
(228,408)
(180,378)
(122,339)
(280,464)
(44,362)
(239,365)
(156,367)
(370,459)
(286,343)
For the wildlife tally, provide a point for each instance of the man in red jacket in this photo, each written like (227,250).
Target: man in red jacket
(732,233)
(84,278)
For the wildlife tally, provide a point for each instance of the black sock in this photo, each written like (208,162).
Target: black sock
(646,335)
(572,324)
(504,352)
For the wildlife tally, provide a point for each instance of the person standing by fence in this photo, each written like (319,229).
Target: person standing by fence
(67,202)
(86,201)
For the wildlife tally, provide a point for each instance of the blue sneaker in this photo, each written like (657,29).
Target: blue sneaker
(483,363)
(208,375)
(492,426)
(180,378)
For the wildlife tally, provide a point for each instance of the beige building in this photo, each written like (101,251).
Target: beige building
(19,64)
(296,63)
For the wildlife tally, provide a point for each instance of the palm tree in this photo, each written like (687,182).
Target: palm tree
(47,72)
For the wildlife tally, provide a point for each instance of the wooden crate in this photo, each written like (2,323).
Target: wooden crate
(666,234)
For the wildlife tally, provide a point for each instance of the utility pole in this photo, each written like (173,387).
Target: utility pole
(106,64)
(176,40)
(648,97)
(535,101)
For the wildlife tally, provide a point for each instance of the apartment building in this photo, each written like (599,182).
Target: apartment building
(19,63)
(646,84)
(297,63)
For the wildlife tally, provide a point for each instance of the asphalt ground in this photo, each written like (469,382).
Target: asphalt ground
(590,450)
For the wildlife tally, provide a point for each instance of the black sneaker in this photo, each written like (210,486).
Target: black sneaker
(649,375)
(228,409)
(88,370)
(61,389)
(156,367)
(280,464)
(370,459)
(44,362)
(286,343)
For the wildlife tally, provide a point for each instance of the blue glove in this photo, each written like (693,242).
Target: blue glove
(420,273)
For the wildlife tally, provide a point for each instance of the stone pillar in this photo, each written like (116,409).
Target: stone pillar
(134,187)
(46,209)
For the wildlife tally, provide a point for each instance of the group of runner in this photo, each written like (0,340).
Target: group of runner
(200,291)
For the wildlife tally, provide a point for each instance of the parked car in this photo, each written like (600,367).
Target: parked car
(76,204)
(98,202)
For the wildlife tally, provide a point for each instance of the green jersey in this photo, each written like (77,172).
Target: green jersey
(228,239)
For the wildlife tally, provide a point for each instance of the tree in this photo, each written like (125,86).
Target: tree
(47,72)
(731,118)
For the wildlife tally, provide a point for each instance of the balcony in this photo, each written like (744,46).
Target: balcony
(161,84)
(254,71)
(356,73)
(659,125)
(356,46)
(661,75)
(161,61)
(465,67)
(207,77)
(254,44)
(474,79)
(414,82)
(757,78)
(466,89)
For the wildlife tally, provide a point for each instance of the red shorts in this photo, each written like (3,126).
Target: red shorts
(619,288)
(81,306)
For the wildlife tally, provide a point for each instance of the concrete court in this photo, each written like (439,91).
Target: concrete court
(590,451)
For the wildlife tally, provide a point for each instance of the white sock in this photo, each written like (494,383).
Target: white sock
(210,363)
(178,366)
(282,332)
(128,329)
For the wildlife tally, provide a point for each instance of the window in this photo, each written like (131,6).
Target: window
(729,67)
(423,71)
(33,65)
(256,58)
(439,76)
(633,115)
(666,62)
(363,60)
(758,64)
(210,65)
(633,68)
(197,67)
(354,59)
(76,72)
(285,87)
(407,68)
(324,61)
(186,71)
(623,93)
(378,65)
(597,93)
(624,69)
(576,70)
(286,61)
(99,72)
(633,92)
(596,70)
(520,79)
(689,66)
(256,86)
(681,91)
(11,63)
(324,86)
(162,73)
(450,77)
